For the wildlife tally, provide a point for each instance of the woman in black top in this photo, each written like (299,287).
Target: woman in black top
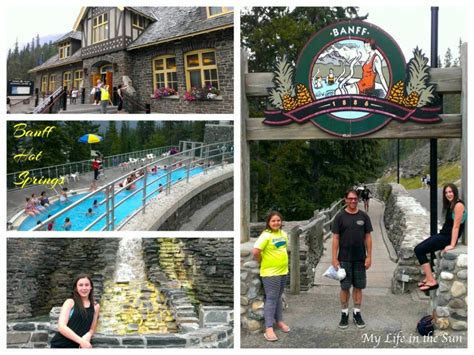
(78,317)
(447,237)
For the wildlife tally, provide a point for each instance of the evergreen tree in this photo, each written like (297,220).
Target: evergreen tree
(448,57)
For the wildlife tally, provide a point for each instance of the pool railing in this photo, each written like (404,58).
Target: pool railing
(208,157)
(85,166)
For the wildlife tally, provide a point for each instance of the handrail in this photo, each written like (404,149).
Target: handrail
(131,99)
(216,151)
(49,101)
(84,166)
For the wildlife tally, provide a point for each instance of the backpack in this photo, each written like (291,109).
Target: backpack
(425,326)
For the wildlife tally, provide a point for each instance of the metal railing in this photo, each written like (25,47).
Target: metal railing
(85,166)
(49,102)
(209,157)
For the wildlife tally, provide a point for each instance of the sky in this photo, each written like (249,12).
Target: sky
(416,29)
(408,25)
(25,25)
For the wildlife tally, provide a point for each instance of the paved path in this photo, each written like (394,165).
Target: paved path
(314,315)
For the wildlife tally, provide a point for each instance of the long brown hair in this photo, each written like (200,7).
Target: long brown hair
(77,298)
(269,217)
(446,203)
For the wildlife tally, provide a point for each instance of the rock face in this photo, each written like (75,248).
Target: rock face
(47,267)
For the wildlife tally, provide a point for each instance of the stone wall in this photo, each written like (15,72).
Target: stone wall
(407,224)
(216,332)
(181,216)
(203,265)
(40,272)
(27,334)
(214,133)
(142,73)
(451,297)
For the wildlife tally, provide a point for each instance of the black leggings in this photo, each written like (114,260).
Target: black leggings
(431,244)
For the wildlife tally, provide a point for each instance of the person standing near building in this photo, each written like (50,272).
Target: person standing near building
(270,250)
(78,318)
(104,98)
(352,251)
(120,92)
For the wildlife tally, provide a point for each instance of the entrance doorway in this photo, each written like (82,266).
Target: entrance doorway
(105,75)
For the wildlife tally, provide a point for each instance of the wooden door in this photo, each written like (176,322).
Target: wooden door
(108,80)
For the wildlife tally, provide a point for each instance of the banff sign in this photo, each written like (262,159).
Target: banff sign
(351,80)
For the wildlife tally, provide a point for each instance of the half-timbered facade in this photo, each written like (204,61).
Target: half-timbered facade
(148,49)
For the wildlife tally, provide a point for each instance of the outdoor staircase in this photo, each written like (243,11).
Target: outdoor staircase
(87,108)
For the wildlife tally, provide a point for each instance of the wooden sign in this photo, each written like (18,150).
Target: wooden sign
(351,80)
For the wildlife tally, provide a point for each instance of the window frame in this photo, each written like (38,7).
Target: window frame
(70,81)
(98,26)
(201,67)
(164,71)
(44,83)
(138,17)
(224,10)
(52,83)
(76,80)
(65,50)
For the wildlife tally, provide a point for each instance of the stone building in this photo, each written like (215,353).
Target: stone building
(150,50)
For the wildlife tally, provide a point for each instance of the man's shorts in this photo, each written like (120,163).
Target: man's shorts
(355,274)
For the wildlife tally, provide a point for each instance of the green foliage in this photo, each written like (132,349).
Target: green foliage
(62,145)
(384,191)
(30,56)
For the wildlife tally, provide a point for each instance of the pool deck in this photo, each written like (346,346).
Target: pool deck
(16,198)
(163,206)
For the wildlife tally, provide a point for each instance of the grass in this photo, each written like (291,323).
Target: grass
(446,173)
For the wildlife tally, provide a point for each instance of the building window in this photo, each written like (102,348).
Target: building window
(213,11)
(138,21)
(164,72)
(67,79)
(79,79)
(52,83)
(44,84)
(64,50)
(201,69)
(100,28)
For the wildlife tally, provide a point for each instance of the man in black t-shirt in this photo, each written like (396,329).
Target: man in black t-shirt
(352,251)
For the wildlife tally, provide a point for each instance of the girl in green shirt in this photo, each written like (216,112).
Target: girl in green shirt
(270,250)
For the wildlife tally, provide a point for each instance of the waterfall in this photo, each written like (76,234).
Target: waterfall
(130,265)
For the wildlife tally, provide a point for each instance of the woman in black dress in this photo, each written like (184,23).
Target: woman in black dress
(78,317)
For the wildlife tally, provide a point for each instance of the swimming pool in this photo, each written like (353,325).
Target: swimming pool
(80,220)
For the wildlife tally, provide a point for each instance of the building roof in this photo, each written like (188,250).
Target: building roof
(177,22)
(77,35)
(169,24)
(54,61)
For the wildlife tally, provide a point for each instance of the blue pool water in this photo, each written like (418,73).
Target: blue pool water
(78,216)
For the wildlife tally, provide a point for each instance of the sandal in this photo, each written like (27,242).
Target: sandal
(284,329)
(269,338)
(427,288)
(421,283)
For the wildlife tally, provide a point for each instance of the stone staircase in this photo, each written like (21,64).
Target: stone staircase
(87,108)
